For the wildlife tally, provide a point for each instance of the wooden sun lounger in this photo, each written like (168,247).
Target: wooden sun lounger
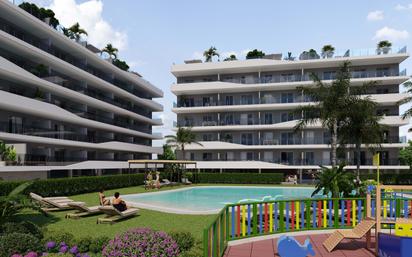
(52,203)
(82,210)
(113,215)
(357,233)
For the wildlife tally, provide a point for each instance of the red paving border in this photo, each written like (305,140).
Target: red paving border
(267,248)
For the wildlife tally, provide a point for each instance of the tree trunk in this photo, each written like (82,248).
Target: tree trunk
(183,152)
(334,142)
(358,156)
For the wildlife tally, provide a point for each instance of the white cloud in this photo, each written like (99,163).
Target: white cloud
(375,16)
(89,16)
(401,7)
(391,34)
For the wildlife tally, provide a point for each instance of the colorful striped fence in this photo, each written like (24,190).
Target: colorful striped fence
(238,221)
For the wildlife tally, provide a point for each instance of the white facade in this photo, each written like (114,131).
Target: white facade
(62,103)
(242,111)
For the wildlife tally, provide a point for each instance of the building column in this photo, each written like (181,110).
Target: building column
(70,173)
(218,77)
(259,98)
(98,172)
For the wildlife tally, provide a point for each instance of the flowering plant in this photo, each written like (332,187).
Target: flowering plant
(141,242)
(52,247)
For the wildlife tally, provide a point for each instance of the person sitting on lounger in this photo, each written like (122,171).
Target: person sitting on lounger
(102,198)
(118,202)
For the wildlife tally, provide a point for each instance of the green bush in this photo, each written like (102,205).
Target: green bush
(58,237)
(98,244)
(84,244)
(18,243)
(184,240)
(195,251)
(238,178)
(78,185)
(390,179)
(24,227)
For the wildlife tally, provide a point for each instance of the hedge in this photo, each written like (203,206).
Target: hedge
(78,185)
(237,178)
(390,179)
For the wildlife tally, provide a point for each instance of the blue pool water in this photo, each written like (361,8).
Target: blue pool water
(210,199)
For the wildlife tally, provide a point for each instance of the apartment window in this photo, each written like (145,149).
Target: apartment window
(267,79)
(286,77)
(15,124)
(246,99)
(206,101)
(208,120)
(383,157)
(250,119)
(287,138)
(268,118)
(309,137)
(229,100)
(287,98)
(359,73)
(207,137)
(329,75)
(309,158)
(382,91)
(287,116)
(286,157)
(382,72)
(249,156)
(207,156)
(268,156)
(247,139)
(192,156)
(267,138)
(229,119)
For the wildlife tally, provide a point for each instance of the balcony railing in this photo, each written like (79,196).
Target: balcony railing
(308,77)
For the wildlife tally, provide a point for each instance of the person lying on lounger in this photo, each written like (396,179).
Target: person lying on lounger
(118,202)
(102,199)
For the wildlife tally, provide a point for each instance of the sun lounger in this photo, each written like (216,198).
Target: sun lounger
(52,203)
(357,233)
(113,215)
(167,182)
(186,181)
(82,210)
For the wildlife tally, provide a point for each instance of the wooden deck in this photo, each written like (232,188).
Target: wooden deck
(267,248)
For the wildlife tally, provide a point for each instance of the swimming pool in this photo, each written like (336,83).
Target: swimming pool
(211,199)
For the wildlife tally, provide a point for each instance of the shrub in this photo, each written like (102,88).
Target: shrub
(195,251)
(84,244)
(24,227)
(57,236)
(184,240)
(139,241)
(78,185)
(98,244)
(238,178)
(20,243)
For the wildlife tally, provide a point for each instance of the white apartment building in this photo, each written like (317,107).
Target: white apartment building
(242,111)
(61,103)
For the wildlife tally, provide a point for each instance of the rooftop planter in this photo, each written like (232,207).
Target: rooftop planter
(328,51)
(383,47)
(309,55)
(255,54)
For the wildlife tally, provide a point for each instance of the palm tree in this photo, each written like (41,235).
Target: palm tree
(67,33)
(209,53)
(334,181)
(111,51)
(183,137)
(330,105)
(361,126)
(408,86)
(16,201)
(76,31)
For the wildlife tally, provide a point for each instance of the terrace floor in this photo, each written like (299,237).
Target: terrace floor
(267,248)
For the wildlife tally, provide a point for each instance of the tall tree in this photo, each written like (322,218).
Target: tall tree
(405,155)
(361,126)
(183,137)
(408,86)
(76,31)
(329,107)
(209,53)
(111,51)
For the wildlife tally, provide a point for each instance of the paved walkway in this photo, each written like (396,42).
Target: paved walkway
(267,248)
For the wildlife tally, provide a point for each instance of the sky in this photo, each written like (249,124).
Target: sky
(152,34)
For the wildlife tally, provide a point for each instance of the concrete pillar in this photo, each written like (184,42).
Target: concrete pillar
(98,172)
(70,173)
(300,176)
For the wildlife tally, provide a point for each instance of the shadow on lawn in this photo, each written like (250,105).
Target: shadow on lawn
(38,218)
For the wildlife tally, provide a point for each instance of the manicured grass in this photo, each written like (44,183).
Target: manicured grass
(87,226)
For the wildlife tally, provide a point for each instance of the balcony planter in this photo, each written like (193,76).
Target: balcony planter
(328,51)
(383,47)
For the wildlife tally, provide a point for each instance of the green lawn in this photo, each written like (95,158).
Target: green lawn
(87,226)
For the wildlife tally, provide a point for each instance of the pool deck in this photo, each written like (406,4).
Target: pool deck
(267,248)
